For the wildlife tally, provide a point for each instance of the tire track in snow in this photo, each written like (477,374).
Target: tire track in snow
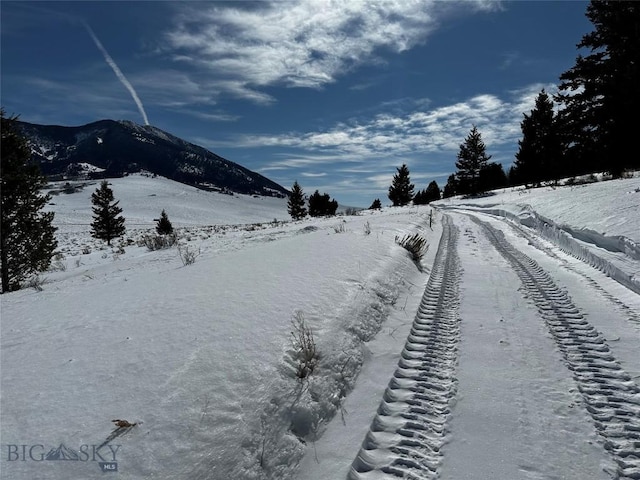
(538,243)
(611,396)
(406,435)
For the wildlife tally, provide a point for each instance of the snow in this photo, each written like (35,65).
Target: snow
(200,356)
(143,197)
(597,222)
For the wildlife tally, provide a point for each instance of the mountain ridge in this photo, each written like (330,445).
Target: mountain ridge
(113,148)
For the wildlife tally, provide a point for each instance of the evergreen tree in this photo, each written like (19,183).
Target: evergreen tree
(513,177)
(491,177)
(27,236)
(540,150)
(164,227)
(320,205)
(472,158)
(451,188)
(401,189)
(107,222)
(376,205)
(420,198)
(601,97)
(433,192)
(430,194)
(296,203)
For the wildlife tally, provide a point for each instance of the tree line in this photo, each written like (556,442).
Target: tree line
(587,127)
(318,205)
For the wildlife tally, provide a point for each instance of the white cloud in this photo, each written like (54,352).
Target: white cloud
(305,43)
(313,175)
(391,138)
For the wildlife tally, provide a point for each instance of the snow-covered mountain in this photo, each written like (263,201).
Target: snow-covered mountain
(109,148)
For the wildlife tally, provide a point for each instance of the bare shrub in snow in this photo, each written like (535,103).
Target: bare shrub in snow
(159,242)
(36,282)
(339,228)
(351,211)
(187,254)
(304,346)
(58,266)
(415,244)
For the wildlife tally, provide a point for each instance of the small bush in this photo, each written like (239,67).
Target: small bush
(351,211)
(159,242)
(187,255)
(58,265)
(305,347)
(339,228)
(415,244)
(36,282)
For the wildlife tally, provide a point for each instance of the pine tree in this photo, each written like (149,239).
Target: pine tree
(27,236)
(107,222)
(164,227)
(472,157)
(539,155)
(491,177)
(420,198)
(320,205)
(376,205)
(451,188)
(601,97)
(401,189)
(296,203)
(432,193)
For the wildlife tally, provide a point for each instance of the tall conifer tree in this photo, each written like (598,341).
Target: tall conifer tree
(600,92)
(433,192)
(539,155)
(107,221)
(27,236)
(296,203)
(451,187)
(401,189)
(472,158)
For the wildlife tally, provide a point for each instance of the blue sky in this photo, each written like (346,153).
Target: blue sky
(333,94)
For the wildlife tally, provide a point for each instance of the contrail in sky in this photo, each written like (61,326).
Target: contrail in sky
(118,73)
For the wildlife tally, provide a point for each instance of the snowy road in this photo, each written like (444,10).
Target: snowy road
(514,368)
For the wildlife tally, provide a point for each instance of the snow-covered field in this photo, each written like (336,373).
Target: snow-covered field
(501,355)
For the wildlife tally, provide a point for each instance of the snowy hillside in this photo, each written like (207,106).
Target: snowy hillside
(501,355)
(142,198)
